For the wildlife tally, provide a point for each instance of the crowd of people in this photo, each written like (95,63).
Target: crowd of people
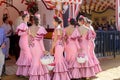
(5,33)
(69,44)
(105,27)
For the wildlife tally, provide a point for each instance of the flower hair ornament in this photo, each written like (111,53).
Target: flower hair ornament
(81,16)
(26,12)
(37,15)
(69,19)
(54,16)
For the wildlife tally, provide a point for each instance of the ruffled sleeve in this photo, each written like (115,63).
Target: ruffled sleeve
(22,29)
(41,32)
(91,35)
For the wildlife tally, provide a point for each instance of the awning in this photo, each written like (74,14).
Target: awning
(50,4)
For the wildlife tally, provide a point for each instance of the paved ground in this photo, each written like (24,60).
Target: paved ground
(110,66)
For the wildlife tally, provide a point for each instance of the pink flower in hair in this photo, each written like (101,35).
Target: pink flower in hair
(37,15)
(69,19)
(25,12)
(54,16)
(81,16)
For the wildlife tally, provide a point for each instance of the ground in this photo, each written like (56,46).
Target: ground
(110,66)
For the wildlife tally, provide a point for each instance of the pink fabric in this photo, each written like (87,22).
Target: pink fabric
(24,60)
(21,29)
(42,31)
(60,71)
(71,50)
(92,53)
(38,71)
(91,67)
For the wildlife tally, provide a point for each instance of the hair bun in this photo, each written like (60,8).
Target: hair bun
(57,19)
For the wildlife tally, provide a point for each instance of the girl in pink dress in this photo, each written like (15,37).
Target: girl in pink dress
(71,50)
(24,60)
(37,71)
(87,68)
(92,35)
(60,71)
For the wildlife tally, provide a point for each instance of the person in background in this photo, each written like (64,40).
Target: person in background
(8,32)
(25,58)
(11,51)
(105,29)
(18,21)
(2,50)
(99,29)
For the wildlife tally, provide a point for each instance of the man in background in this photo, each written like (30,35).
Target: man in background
(18,21)
(8,31)
(2,50)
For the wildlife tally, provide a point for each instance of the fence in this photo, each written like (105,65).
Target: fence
(107,43)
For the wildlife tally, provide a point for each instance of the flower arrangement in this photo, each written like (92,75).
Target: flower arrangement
(32,6)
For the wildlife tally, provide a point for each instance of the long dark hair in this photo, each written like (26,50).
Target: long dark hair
(36,20)
(58,19)
(25,13)
(72,21)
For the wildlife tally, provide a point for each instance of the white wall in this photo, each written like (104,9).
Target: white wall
(49,14)
(12,12)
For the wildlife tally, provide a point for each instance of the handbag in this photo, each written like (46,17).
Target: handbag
(82,58)
(47,59)
(51,66)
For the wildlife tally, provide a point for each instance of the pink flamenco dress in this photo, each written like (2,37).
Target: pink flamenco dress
(25,58)
(60,71)
(88,68)
(38,71)
(92,36)
(71,50)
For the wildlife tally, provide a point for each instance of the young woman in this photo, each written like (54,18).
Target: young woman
(72,47)
(25,57)
(60,71)
(92,36)
(87,68)
(37,71)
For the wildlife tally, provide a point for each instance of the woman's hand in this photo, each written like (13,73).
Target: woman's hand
(51,52)
(3,45)
(45,52)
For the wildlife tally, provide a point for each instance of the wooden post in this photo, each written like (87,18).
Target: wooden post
(118,15)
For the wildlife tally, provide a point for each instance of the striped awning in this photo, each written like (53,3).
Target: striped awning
(68,1)
(50,4)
